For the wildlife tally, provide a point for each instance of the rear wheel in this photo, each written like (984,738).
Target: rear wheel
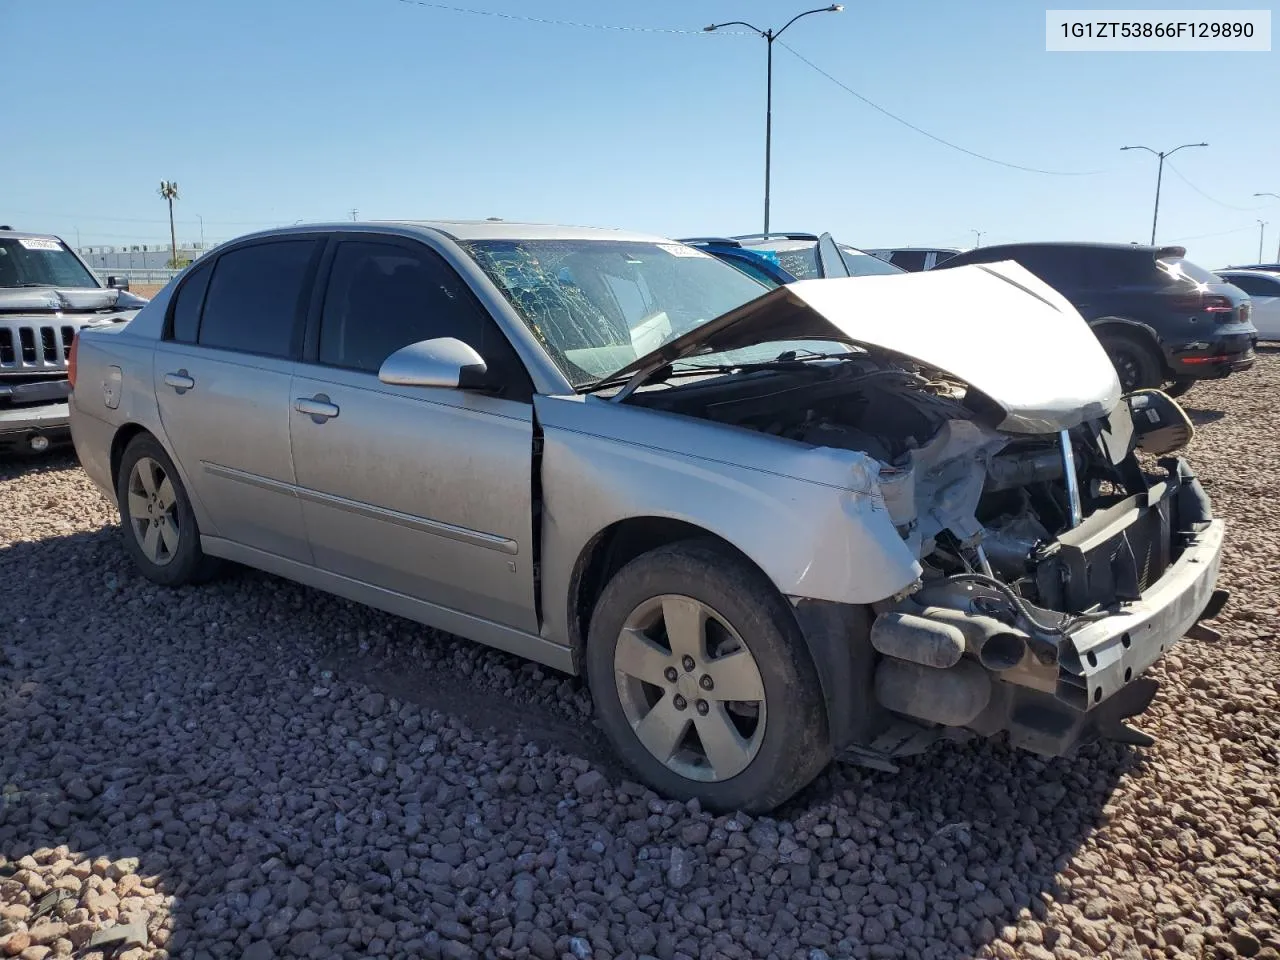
(160,532)
(1136,363)
(702,681)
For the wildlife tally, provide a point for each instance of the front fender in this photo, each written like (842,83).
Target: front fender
(812,519)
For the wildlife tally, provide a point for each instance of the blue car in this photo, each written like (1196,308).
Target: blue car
(780,258)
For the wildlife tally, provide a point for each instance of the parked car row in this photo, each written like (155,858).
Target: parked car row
(773,510)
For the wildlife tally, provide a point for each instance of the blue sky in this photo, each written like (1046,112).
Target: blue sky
(271,111)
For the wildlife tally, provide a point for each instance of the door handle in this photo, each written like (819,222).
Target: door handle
(180,381)
(318,408)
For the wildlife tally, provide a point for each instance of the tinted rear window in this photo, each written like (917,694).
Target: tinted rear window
(908,259)
(1182,269)
(187,304)
(255,298)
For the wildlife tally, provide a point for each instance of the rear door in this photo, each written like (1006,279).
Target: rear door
(222,377)
(420,490)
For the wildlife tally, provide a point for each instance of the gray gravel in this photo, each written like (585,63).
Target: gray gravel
(252,769)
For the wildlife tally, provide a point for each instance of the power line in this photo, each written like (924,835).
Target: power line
(164,220)
(1220,233)
(546,21)
(954,146)
(1205,195)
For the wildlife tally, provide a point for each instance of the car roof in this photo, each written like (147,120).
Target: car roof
(1248,272)
(24,235)
(1165,249)
(474,230)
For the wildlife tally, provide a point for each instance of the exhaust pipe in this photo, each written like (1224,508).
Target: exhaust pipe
(917,639)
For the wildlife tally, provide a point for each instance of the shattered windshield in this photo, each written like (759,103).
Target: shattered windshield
(41,262)
(598,305)
(798,258)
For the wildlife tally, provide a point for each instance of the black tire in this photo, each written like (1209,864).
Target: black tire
(1137,364)
(185,562)
(1180,386)
(793,746)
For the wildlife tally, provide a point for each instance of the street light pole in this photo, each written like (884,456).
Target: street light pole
(1277,196)
(1162,154)
(769,36)
(979,233)
(1262,229)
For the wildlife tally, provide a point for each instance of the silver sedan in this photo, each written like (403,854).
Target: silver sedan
(848,517)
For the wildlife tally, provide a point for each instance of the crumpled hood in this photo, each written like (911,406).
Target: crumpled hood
(996,327)
(69,299)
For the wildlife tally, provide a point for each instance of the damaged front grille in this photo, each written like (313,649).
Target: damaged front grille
(1113,555)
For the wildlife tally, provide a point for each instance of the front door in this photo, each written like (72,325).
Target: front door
(222,376)
(423,491)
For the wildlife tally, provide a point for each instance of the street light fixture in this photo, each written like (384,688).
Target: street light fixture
(769,36)
(1162,154)
(1277,196)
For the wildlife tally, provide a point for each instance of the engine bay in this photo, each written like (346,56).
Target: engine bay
(965,497)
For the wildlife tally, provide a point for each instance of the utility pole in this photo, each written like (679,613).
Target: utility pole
(1162,154)
(169,191)
(355,214)
(769,36)
(1277,196)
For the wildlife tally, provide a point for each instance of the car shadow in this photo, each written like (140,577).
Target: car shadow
(1200,417)
(115,748)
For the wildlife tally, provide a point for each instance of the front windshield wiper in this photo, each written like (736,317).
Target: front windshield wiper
(787,360)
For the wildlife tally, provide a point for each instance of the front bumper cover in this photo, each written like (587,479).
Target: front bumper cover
(45,418)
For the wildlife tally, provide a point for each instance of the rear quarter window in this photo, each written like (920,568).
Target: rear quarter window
(1179,268)
(184,321)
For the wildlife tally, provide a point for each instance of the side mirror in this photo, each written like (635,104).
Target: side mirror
(118,283)
(443,362)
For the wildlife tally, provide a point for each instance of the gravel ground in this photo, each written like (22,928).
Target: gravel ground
(252,769)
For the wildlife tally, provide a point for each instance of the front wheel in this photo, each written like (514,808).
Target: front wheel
(702,682)
(1180,386)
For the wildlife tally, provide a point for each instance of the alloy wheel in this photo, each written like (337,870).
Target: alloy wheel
(153,511)
(690,688)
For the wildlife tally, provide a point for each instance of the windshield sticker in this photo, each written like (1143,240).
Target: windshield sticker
(680,250)
(36,244)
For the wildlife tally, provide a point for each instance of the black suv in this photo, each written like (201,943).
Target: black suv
(1164,321)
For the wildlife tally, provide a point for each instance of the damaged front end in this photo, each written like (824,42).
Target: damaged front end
(1045,636)
(1061,548)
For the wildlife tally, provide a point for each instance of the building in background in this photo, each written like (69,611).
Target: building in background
(139,256)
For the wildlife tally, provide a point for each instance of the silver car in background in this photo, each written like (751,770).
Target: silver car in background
(844,517)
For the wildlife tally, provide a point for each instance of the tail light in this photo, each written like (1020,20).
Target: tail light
(1204,302)
(71,360)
